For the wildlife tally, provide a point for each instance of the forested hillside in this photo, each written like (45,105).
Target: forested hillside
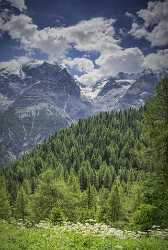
(110,168)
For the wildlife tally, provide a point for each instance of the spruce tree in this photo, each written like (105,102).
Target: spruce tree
(156,128)
(83,178)
(156,125)
(114,205)
(21,206)
(5,209)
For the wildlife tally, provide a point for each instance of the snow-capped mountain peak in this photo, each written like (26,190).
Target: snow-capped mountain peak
(44,97)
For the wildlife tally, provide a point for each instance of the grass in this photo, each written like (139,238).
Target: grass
(19,238)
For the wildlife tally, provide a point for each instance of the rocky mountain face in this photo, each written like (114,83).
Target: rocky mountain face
(44,97)
(109,96)
(35,104)
(126,90)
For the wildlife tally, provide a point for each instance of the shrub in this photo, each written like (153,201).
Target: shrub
(57,216)
(145,217)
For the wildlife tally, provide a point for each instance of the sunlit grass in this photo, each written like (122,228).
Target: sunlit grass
(19,238)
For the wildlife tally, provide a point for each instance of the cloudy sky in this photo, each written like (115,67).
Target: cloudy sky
(94,39)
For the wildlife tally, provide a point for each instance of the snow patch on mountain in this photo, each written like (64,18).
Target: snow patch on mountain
(131,81)
(44,97)
(5,102)
(32,111)
(91,92)
(110,99)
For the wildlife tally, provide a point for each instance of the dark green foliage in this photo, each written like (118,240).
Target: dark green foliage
(156,128)
(146,216)
(68,171)
(114,205)
(57,216)
(83,177)
(103,168)
(156,122)
(5,209)
(21,205)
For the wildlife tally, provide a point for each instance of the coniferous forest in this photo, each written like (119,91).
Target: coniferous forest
(111,168)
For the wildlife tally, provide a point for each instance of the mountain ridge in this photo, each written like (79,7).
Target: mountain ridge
(46,99)
(41,98)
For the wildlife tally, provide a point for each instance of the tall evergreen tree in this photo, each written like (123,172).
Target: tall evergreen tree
(5,209)
(21,206)
(83,178)
(114,205)
(156,128)
(156,124)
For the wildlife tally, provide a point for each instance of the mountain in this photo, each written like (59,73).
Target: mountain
(34,104)
(76,169)
(40,98)
(126,90)
(110,94)
(141,90)
(96,173)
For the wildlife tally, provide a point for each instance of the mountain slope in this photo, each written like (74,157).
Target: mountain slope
(127,90)
(34,104)
(141,90)
(110,94)
(76,168)
(41,98)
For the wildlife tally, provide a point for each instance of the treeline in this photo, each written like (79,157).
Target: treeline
(111,168)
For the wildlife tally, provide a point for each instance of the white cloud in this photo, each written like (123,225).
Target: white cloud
(20,28)
(96,34)
(14,66)
(157,61)
(156,11)
(19,4)
(155,23)
(128,14)
(6,14)
(1,22)
(82,65)
(91,77)
(126,60)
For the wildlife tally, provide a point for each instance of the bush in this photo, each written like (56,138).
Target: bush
(57,216)
(145,217)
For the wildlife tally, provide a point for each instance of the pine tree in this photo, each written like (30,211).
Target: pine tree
(91,197)
(83,178)
(156,124)
(21,206)
(156,128)
(114,205)
(5,209)
(64,171)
